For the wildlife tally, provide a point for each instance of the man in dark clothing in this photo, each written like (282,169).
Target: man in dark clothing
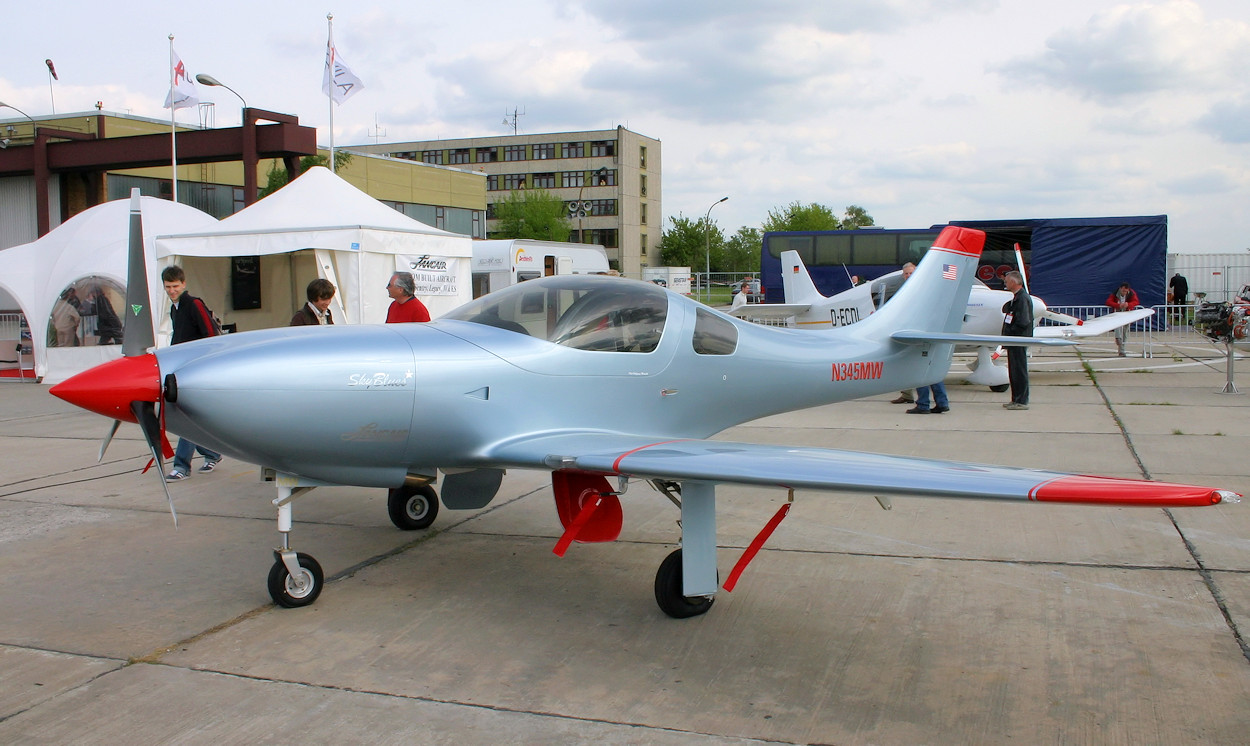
(108,327)
(316,312)
(192,320)
(1017,322)
(1180,289)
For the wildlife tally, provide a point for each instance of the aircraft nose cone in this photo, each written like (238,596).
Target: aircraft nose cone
(109,388)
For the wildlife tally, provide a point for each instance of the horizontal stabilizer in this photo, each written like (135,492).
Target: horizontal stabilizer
(1094,327)
(907,336)
(768,310)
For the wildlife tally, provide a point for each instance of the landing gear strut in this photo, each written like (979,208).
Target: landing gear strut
(296,578)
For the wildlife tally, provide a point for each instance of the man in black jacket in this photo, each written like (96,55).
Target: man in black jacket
(1017,322)
(316,312)
(192,320)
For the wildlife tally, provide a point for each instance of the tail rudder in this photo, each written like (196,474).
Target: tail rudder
(796,283)
(935,297)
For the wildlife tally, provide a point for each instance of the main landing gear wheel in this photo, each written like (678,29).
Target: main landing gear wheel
(668,591)
(1000,388)
(412,508)
(295,592)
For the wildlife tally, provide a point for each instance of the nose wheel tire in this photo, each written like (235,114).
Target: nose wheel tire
(295,592)
(1000,388)
(668,591)
(412,508)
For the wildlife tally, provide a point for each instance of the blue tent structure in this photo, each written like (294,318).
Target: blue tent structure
(1079,261)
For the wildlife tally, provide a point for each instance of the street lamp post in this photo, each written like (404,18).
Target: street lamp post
(4,143)
(707,246)
(206,79)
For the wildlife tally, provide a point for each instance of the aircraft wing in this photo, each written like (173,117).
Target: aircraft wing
(768,310)
(1094,327)
(724,462)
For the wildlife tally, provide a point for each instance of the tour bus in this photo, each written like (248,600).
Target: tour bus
(498,263)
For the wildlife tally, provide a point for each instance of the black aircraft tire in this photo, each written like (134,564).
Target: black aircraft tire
(412,508)
(285,593)
(1000,388)
(668,591)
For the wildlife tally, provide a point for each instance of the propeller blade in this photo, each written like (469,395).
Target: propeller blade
(108,438)
(145,414)
(137,335)
(1020,263)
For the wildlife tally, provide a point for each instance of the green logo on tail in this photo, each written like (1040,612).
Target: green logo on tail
(135,309)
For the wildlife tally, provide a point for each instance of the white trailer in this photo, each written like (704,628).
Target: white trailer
(498,263)
(676,279)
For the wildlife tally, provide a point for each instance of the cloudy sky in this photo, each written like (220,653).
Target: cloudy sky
(921,111)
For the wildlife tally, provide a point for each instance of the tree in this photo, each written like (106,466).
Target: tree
(800,217)
(533,213)
(856,217)
(686,243)
(277,176)
(742,251)
(815,217)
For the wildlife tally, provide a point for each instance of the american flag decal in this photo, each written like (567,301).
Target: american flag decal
(949,272)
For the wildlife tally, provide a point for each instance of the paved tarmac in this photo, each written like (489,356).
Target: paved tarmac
(937,622)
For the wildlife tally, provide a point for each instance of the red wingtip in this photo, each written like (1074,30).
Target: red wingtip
(1113,491)
(969,241)
(109,388)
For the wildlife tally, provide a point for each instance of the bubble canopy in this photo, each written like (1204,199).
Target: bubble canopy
(585,312)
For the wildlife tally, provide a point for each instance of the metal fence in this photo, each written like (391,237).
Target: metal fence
(1171,325)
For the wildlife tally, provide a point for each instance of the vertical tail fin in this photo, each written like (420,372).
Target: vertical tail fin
(935,298)
(796,283)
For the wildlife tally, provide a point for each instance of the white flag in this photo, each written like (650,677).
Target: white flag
(338,82)
(182,91)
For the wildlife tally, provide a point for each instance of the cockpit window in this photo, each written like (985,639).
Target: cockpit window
(714,335)
(586,312)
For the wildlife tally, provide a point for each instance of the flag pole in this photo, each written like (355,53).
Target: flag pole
(173,137)
(330,93)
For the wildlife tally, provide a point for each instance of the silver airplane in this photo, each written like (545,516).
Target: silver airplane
(587,377)
(809,309)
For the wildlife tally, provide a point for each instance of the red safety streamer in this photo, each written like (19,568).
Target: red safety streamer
(575,527)
(755,546)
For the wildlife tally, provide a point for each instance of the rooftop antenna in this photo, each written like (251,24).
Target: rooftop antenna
(378,133)
(515,114)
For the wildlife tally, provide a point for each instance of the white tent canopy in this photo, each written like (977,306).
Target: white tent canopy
(357,241)
(93,243)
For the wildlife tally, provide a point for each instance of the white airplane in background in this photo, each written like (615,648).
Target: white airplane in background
(984,316)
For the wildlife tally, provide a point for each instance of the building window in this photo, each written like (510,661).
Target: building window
(605,178)
(602,206)
(432,156)
(602,148)
(545,181)
(642,213)
(544,150)
(440,217)
(459,156)
(239,202)
(490,210)
(514,152)
(478,230)
(573,178)
(487,155)
(642,185)
(492,182)
(573,150)
(642,157)
(605,237)
(514,181)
